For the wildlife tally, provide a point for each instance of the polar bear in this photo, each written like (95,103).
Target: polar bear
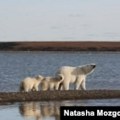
(52,83)
(31,83)
(30,110)
(75,75)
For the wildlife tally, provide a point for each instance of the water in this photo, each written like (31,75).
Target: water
(15,66)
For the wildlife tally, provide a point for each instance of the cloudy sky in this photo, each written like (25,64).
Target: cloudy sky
(64,20)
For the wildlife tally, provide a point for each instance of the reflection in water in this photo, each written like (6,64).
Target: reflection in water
(39,112)
(30,109)
(46,110)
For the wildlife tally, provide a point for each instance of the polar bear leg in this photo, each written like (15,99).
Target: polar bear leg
(36,87)
(26,89)
(44,86)
(58,86)
(30,87)
(83,85)
(78,82)
(66,84)
(52,85)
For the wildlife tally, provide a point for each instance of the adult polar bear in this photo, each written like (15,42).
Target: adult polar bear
(75,75)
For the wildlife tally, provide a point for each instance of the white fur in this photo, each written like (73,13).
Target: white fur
(51,83)
(31,83)
(75,75)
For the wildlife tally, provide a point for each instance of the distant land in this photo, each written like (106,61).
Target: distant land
(60,46)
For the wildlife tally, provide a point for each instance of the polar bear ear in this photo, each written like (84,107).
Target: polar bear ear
(39,77)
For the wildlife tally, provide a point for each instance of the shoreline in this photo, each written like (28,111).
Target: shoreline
(58,95)
(60,46)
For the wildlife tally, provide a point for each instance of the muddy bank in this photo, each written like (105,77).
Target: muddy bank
(58,95)
(60,46)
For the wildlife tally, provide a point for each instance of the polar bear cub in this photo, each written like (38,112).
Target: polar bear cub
(52,83)
(31,83)
(76,75)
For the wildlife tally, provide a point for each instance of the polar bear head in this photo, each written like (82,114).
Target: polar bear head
(87,69)
(39,77)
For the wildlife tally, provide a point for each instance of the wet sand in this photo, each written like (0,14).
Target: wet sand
(58,95)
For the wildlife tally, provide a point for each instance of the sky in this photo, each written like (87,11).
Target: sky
(59,20)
